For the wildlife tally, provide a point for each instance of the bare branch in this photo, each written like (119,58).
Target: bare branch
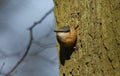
(38,22)
(2,67)
(30,42)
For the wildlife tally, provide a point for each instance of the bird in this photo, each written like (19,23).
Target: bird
(66,37)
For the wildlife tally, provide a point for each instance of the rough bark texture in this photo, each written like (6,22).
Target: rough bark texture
(98,42)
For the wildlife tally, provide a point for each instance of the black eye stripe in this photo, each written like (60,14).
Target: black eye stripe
(65,29)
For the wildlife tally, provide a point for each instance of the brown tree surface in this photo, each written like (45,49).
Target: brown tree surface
(98,36)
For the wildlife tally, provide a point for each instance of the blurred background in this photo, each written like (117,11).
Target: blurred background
(16,16)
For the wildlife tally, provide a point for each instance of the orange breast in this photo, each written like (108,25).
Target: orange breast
(68,39)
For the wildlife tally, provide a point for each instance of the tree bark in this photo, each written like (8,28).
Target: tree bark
(98,36)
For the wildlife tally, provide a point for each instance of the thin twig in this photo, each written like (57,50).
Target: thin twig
(41,18)
(2,67)
(30,42)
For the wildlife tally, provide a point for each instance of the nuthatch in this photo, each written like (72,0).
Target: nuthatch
(66,37)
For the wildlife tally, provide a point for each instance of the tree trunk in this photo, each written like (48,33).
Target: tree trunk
(98,36)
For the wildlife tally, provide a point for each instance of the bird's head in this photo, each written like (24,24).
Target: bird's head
(63,29)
